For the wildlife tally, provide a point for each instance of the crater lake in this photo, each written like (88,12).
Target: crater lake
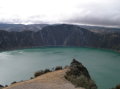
(103,65)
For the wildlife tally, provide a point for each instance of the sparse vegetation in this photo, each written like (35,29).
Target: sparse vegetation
(41,72)
(38,73)
(81,81)
(66,66)
(14,82)
(6,85)
(58,68)
(47,70)
(31,77)
(78,75)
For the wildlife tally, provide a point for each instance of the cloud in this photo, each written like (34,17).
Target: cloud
(93,12)
(105,13)
(96,18)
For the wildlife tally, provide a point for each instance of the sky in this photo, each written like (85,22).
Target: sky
(90,12)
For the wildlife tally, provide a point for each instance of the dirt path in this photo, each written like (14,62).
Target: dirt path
(52,80)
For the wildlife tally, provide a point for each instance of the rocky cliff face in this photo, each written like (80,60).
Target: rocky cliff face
(79,76)
(58,35)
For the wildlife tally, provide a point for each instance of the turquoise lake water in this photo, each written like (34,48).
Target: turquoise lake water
(103,65)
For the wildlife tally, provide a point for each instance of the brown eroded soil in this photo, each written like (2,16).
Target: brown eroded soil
(51,80)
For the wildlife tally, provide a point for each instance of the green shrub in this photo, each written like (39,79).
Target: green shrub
(46,71)
(58,68)
(38,73)
(31,77)
(14,82)
(66,66)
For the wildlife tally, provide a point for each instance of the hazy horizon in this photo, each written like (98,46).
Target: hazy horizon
(87,12)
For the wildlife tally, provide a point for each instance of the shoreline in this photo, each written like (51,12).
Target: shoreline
(60,46)
(59,78)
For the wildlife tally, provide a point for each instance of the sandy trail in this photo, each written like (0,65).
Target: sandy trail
(51,80)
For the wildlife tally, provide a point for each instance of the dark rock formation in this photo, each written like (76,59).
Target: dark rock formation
(79,76)
(78,69)
(117,87)
(58,35)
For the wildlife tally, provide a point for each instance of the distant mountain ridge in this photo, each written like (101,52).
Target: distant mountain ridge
(99,29)
(21,27)
(37,27)
(59,35)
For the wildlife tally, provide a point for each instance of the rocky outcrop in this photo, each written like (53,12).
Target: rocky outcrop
(58,35)
(74,76)
(117,87)
(79,76)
